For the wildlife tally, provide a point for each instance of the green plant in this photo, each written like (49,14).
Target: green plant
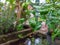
(20,24)
(56,33)
(53,21)
(7,18)
(35,25)
(49,13)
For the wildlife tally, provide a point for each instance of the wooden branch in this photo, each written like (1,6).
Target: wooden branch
(8,42)
(13,33)
(19,8)
(34,33)
(30,34)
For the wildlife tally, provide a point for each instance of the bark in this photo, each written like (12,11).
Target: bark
(18,8)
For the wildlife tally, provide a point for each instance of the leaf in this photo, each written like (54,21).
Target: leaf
(21,20)
(37,27)
(10,1)
(25,5)
(48,1)
(32,22)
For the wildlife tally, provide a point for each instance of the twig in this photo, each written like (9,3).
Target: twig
(15,33)
(34,33)
(8,42)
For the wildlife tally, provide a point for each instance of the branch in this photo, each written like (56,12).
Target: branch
(8,42)
(34,33)
(13,33)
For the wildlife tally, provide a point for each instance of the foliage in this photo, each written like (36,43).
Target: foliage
(20,24)
(20,27)
(7,18)
(25,4)
(48,12)
(56,33)
(10,1)
(49,1)
(35,25)
(51,14)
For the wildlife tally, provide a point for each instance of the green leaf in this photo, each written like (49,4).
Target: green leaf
(21,20)
(10,1)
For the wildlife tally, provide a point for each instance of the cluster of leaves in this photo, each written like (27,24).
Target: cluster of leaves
(20,27)
(20,24)
(56,33)
(35,25)
(51,14)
